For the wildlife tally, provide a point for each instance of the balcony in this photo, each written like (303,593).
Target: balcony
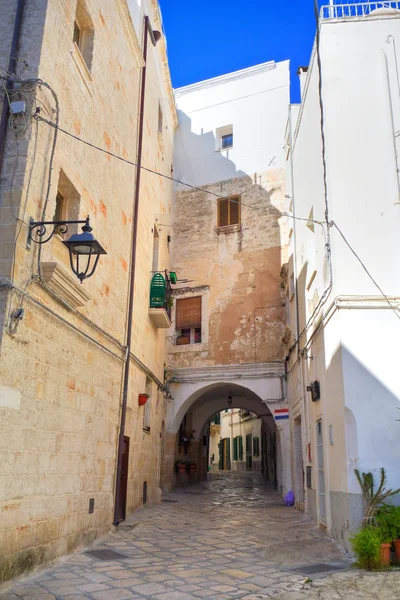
(160,300)
(343,10)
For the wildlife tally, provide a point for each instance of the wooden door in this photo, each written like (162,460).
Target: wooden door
(123,486)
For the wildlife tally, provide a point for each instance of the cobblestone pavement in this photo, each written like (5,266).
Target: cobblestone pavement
(230,537)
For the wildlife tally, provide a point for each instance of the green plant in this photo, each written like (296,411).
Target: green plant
(366,544)
(388,520)
(372,499)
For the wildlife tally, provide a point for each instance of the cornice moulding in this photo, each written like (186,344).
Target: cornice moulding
(58,279)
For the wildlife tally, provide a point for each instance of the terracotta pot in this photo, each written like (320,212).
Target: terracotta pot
(192,467)
(143,399)
(385,554)
(181,468)
(397,549)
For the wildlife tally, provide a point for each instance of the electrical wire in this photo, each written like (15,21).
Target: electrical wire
(393,306)
(133,164)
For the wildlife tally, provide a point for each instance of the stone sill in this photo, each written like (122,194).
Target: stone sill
(60,282)
(228,229)
(189,348)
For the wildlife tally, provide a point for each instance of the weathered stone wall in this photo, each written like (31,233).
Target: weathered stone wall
(243,311)
(61,368)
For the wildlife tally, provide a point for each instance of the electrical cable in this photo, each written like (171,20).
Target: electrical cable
(328,290)
(393,306)
(133,164)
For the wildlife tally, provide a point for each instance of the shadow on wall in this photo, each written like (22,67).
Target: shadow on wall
(198,160)
(359,429)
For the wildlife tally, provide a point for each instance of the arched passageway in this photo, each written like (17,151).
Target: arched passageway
(261,448)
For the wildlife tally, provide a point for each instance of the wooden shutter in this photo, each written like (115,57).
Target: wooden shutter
(234,210)
(188,313)
(235,448)
(240,448)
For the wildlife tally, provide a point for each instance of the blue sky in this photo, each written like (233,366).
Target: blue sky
(207,38)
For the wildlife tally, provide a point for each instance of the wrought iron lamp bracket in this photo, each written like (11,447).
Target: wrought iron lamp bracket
(39,229)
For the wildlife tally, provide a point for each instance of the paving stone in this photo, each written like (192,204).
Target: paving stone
(150,589)
(227,538)
(114,595)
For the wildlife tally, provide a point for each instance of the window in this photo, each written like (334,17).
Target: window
(188,321)
(160,119)
(227,141)
(229,211)
(67,203)
(156,245)
(240,447)
(147,406)
(83,34)
(224,138)
(217,419)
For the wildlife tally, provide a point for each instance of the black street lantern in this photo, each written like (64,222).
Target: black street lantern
(86,246)
(84,250)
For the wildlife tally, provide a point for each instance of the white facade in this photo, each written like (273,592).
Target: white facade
(350,342)
(252,103)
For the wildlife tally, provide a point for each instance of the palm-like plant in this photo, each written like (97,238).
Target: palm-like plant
(372,499)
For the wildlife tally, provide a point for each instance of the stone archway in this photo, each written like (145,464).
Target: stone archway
(204,392)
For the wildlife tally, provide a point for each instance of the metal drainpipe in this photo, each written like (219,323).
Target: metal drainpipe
(11,69)
(147,30)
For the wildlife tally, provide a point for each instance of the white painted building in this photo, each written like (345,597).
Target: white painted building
(345,175)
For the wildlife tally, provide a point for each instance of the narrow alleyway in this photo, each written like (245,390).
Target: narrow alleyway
(230,537)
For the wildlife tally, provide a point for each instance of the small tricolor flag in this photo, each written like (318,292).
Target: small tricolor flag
(281,413)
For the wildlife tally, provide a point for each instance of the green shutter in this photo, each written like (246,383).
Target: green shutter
(157,291)
(221,459)
(235,448)
(240,447)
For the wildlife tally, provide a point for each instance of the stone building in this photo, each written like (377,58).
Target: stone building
(227,337)
(63,344)
(343,292)
(236,438)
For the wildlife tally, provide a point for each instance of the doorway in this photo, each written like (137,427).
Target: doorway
(225,454)
(298,460)
(123,484)
(249,452)
(321,472)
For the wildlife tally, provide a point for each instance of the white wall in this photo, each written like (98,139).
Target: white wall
(255,102)
(354,355)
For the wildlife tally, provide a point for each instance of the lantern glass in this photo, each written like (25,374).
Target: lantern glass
(84,244)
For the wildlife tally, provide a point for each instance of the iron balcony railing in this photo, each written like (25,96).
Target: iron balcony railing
(161,292)
(341,10)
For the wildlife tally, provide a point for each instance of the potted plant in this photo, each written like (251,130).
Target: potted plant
(366,544)
(143,399)
(388,519)
(372,498)
(191,467)
(180,466)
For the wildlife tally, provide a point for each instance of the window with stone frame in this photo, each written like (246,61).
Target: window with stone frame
(188,321)
(67,203)
(83,33)
(228,211)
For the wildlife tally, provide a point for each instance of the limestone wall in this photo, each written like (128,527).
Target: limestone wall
(236,270)
(61,367)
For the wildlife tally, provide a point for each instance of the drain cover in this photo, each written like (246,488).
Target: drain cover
(314,569)
(105,554)
(169,500)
